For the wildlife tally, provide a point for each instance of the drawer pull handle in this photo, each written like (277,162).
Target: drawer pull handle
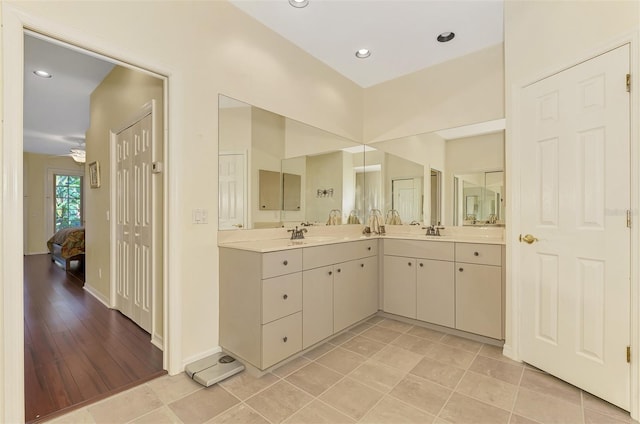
(285,263)
(460,269)
(421,264)
(285,297)
(284,339)
(476,254)
(330,272)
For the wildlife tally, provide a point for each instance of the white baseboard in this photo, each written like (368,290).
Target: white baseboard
(95,293)
(157,342)
(37,253)
(204,354)
(508,352)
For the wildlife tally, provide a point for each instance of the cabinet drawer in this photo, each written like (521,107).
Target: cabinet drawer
(281,339)
(318,256)
(281,262)
(281,296)
(438,250)
(484,254)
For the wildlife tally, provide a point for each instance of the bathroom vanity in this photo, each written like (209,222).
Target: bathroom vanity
(279,297)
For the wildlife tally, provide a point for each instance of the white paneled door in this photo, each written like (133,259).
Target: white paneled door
(231,190)
(134,258)
(575,194)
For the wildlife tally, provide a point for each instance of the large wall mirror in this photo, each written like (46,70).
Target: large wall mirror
(448,177)
(275,171)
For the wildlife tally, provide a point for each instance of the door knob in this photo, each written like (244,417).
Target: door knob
(528,238)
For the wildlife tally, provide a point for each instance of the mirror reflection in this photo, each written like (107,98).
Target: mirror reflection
(479,198)
(275,171)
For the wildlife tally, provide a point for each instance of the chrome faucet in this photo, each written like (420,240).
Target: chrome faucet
(433,230)
(297,234)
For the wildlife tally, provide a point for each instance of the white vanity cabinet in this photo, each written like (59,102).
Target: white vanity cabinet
(340,286)
(479,289)
(419,280)
(452,284)
(261,304)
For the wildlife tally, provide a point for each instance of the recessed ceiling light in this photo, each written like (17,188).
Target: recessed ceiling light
(42,74)
(299,3)
(446,36)
(363,53)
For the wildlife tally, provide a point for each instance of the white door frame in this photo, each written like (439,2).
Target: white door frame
(14,24)
(513,228)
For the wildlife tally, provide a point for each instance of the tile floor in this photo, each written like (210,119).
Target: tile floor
(382,371)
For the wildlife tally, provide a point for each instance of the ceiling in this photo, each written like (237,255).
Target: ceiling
(401,35)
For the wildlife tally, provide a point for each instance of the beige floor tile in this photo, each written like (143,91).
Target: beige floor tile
(426,333)
(391,411)
(341,360)
(593,417)
(495,352)
(291,366)
(517,419)
(462,409)
(412,343)
(381,334)
(351,398)
(450,355)
(375,319)
(398,358)
(319,351)
(377,375)
(318,412)
(546,409)
(239,414)
(445,375)
(422,394)
(488,389)
(344,337)
(203,405)
(245,385)
(170,388)
(81,416)
(392,324)
(162,415)
(550,385)
(363,346)
(603,407)
(461,343)
(126,406)
(314,379)
(497,369)
(358,329)
(279,401)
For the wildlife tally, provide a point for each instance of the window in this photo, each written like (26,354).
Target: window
(68,201)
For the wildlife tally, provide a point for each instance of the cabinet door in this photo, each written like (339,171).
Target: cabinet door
(436,289)
(345,295)
(317,305)
(366,281)
(479,299)
(400,286)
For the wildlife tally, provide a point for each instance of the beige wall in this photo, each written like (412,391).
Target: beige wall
(458,92)
(36,169)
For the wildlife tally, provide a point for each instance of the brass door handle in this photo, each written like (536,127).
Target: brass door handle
(527,238)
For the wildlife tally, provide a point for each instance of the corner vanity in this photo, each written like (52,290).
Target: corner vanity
(279,297)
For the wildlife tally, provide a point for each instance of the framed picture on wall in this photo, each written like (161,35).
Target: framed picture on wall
(94,174)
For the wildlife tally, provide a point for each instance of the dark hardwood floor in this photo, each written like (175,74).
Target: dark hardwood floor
(77,350)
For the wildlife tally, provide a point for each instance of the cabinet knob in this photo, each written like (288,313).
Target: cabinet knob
(264,206)
(330,272)
(460,269)
(476,254)
(338,270)
(421,264)
(361,265)
(285,263)
(284,339)
(369,248)
(409,263)
(285,297)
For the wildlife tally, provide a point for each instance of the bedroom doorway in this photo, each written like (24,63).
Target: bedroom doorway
(71,360)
